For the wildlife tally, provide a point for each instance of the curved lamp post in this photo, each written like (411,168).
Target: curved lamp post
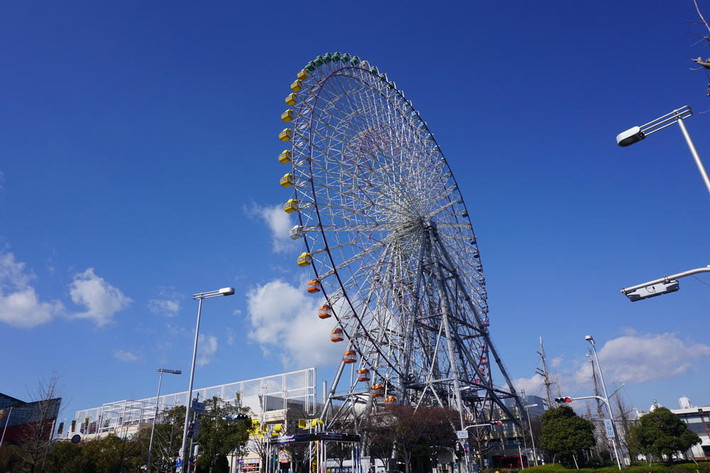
(199,297)
(638,133)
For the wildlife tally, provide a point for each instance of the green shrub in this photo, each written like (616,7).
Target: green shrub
(656,467)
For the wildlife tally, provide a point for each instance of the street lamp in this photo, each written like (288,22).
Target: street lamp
(591,341)
(199,297)
(532,437)
(638,133)
(462,436)
(157,404)
(657,287)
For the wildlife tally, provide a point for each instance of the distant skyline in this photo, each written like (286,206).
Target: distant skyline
(138,166)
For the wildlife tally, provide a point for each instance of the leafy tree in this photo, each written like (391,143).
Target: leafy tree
(221,432)
(565,435)
(663,433)
(167,439)
(66,457)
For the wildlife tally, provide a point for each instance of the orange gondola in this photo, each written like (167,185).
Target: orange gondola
(336,335)
(313,286)
(363,375)
(350,356)
(325,311)
(377,390)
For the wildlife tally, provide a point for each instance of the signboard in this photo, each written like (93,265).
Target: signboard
(284,456)
(609,427)
(462,434)
(312,437)
(198,407)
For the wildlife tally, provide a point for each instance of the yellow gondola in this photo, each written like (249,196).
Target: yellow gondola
(291,206)
(286,180)
(304,259)
(288,115)
(285,156)
(285,134)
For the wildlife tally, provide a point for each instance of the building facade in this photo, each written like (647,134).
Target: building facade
(698,420)
(22,421)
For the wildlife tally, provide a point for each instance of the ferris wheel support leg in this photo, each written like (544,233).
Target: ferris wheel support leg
(447,330)
(485,335)
(331,392)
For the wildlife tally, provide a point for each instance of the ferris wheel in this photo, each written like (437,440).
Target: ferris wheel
(389,240)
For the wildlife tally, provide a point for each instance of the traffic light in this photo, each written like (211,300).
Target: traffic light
(496,422)
(193,429)
(563,400)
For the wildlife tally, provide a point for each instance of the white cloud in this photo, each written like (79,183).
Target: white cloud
(534,385)
(284,321)
(167,304)
(636,359)
(206,349)
(19,304)
(125,355)
(280,225)
(165,307)
(101,299)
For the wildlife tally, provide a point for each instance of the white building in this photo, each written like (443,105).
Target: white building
(698,420)
(267,397)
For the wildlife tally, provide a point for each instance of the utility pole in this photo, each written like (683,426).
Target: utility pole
(545,375)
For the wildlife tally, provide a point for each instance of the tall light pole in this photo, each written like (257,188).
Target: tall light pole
(157,404)
(532,437)
(199,297)
(591,341)
(638,133)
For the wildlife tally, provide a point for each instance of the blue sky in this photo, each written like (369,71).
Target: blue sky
(138,145)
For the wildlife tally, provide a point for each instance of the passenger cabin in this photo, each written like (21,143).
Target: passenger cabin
(325,311)
(350,356)
(285,156)
(336,335)
(363,375)
(285,134)
(291,206)
(313,286)
(286,180)
(288,115)
(377,390)
(304,259)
